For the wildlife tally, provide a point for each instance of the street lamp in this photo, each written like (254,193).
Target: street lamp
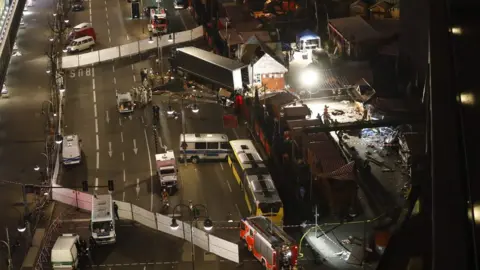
(194,216)
(195,108)
(7,244)
(58,139)
(309,78)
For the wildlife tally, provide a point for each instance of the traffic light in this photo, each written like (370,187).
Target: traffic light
(85,186)
(110,185)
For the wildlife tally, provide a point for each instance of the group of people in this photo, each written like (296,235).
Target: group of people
(142,95)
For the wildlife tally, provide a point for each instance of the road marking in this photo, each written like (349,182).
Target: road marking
(221,165)
(91,18)
(121,136)
(123,156)
(120,121)
(98,143)
(238,210)
(106,9)
(109,39)
(94,96)
(93,83)
(96,183)
(143,120)
(108,24)
(110,152)
(134,79)
(124,176)
(114,80)
(229,187)
(135,149)
(132,67)
(123,196)
(113,68)
(107,117)
(96,125)
(108,31)
(235,133)
(128,38)
(95,110)
(151,169)
(98,160)
(93,72)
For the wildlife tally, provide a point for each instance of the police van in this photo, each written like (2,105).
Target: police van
(204,146)
(71,152)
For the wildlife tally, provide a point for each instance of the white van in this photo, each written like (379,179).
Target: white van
(204,146)
(81,44)
(65,252)
(71,153)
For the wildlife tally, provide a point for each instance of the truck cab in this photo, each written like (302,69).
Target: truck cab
(65,252)
(167,169)
(158,21)
(82,30)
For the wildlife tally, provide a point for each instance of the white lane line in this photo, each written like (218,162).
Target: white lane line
(110,152)
(151,169)
(124,176)
(90,18)
(96,126)
(235,133)
(110,39)
(113,68)
(221,165)
(121,136)
(134,79)
(108,24)
(114,80)
(108,31)
(120,121)
(123,156)
(98,160)
(128,38)
(132,67)
(123,196)
(90,11)
(93,72)
(238,210)
(229,187)
(93,83)
(95,110)
(96,183)
(94,97)
(98,143)
(106,9)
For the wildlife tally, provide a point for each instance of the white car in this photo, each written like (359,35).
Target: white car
(81,44)
(125,103)
(179,4)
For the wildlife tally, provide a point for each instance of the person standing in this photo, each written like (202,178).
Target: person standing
(115,210)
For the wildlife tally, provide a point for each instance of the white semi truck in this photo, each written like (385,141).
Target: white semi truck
(103,219)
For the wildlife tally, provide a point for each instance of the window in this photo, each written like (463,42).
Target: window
(200,145)
(225,145)
(212,145)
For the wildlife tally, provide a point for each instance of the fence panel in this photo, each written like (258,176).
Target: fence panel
(224,249)
(70,61)
(146,44)
(109,54)
(88,58)
(200,239)
(144,217)
(124,210)
(129,49)
(163,225)
(72,197)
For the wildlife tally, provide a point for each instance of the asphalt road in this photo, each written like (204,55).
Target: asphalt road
(22,125)
(114,25)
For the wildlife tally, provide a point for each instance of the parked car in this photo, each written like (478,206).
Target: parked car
(78,6)
(81,44)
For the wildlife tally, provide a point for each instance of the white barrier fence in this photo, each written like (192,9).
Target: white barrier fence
(134,48)
(154,221)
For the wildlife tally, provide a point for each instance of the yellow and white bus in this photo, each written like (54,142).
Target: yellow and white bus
(252,174)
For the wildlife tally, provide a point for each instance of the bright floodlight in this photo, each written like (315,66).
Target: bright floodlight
(51,39)
(170,110)
(309,78)
(195,108)
(36,168)
(208,224)
(66,21)
(174,226)
(21,227)
(54,14)
(48,71)
(170,38)
(65,50)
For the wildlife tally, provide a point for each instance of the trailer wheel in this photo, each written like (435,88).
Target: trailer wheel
(195,159)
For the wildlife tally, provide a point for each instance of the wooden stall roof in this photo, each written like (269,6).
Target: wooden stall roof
(296,111)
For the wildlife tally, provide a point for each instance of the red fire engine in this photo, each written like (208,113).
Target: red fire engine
(269,243)
(158,21)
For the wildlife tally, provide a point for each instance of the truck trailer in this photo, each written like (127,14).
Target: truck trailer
(220,71)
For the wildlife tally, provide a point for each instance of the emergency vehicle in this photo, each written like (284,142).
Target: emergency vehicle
(167,169)
(269,243)
(82,30)
(158,21)
(125,102)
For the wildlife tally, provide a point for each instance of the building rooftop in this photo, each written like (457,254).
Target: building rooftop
(212,58)
(354,29)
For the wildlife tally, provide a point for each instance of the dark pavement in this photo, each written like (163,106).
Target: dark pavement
(114,26)
(22,125)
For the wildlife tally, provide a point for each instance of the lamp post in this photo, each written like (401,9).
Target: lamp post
(194,212)
(171,112)
(9,253)
(159,54)
(37,168)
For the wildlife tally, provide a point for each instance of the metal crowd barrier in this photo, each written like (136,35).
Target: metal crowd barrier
(134,48)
